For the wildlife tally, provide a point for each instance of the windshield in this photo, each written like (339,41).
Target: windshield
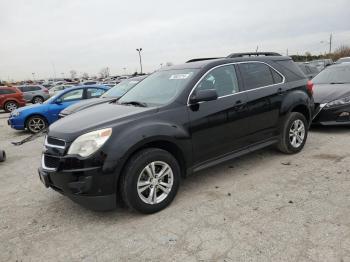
(343,60)
(160,88)
(52,98)
(333,75)
(120,89)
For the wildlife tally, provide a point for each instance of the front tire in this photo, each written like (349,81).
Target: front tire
(2,156)
(293,133)
(35,124)
(150,180)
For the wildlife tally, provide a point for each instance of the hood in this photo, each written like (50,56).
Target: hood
(324,93)
(96,117)
(85,104)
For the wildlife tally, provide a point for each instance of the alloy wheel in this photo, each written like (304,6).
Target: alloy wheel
(36,124)
(297,133)
(11,106)
(155,182)
(38,100)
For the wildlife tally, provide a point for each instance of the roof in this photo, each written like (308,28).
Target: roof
(202,63)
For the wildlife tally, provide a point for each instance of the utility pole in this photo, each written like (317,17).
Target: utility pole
(139,50)
(330,43)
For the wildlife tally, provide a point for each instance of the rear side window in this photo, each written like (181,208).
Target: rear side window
(223,79)
(256,75)
(7,91)
(94,92)
(35,88)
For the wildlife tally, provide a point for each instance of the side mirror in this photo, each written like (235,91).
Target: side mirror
(58,101)
(203,95)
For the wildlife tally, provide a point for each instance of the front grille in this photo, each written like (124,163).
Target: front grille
(51,162)
(55,142)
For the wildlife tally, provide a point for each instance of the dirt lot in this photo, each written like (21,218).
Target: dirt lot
(262,207)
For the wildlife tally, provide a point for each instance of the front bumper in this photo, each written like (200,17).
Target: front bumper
(339,115)
(82,180)
(16,123)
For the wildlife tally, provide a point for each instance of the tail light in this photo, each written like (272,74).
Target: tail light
(310,87)
(46,90)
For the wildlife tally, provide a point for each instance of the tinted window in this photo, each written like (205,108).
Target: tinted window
(72,95)
(7,91)
(94,92)
(276,76)
(290,70)
(256,75)
(223,79)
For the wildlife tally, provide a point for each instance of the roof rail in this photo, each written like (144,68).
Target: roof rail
(202,59)
(234,55)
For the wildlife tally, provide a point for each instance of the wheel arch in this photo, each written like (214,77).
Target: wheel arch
(35,114)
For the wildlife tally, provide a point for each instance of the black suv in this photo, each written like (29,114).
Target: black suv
(179,120)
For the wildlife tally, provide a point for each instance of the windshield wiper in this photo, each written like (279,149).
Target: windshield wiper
(336,83)
(134,103)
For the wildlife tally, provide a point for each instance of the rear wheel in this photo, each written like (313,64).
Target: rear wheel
(10,106)
(35,124)
(150,180)
(293,134)
(37,100)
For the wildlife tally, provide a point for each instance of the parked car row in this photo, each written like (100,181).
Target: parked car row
(135,141)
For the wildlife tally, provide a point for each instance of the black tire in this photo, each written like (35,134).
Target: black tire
(2,156)
(285,144)
(38,119)
(133,172)
(10,106)
(37,100)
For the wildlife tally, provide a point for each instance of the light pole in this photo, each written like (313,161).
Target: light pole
(124,68)
(329,43)
(33,76)
(139,50)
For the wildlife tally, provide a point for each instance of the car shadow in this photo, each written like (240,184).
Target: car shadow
(330,129)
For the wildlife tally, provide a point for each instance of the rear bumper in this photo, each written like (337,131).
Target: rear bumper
(339,115)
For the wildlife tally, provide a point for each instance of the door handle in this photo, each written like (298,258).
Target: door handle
(239,105)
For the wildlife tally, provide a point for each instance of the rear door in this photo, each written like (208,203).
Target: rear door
(218,127)
(265,90)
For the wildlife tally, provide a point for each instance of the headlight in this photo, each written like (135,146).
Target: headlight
(338,102)
(14,113)
(89,143)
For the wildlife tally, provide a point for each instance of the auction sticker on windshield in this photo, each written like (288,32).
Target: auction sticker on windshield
(179,76)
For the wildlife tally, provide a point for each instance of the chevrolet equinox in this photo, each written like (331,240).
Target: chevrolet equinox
(179,120)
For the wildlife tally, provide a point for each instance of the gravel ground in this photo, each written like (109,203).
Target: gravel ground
(265,206)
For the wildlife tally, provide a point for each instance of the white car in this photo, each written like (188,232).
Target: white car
(58,88)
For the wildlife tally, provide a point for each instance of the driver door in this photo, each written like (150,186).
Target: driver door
(63,101)
(218,127)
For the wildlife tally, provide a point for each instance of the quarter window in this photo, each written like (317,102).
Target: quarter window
(223,79)
(257,75)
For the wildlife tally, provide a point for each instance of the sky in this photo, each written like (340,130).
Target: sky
(52,37)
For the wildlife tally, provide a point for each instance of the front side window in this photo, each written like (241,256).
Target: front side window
(72,95)
(223,79)
(160,88)
(256,75)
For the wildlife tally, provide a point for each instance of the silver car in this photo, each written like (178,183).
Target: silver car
(35,94)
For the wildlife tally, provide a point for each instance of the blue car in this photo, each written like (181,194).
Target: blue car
(37,117)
